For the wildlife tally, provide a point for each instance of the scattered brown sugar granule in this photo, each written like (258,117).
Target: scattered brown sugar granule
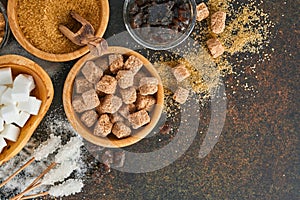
(202,12)
(128,95)
(145,102)
(90,99)
(110,104)
(139,119)
(115,62)
(181,95)
(218,22)
(103,126)
(92,72)
(107,84)
(125,78)
(133,63)
(181,72)
(39,21)
(89,118)
(78,104)
(82,85)
(121,130)
(215,47)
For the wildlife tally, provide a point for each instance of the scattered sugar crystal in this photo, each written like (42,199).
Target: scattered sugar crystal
(47,147)
(68,151)
(71,186)
(60,172)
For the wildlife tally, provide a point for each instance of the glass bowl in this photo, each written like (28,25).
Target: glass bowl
(6,27)
(159,24)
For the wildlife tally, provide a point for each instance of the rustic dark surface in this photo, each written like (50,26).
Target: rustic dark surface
(257,156)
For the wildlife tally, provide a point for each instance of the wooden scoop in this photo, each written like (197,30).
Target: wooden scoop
(85,36)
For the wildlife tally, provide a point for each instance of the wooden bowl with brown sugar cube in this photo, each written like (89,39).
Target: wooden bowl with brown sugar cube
(26,93)
(114,100)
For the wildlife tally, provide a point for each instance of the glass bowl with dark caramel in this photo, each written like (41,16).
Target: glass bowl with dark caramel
(159,24)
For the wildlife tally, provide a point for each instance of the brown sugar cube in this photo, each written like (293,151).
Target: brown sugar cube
(181,72)
(148,81)
(127,109)
(107,84)
(145,102)
(115,62)
(148,85)
(82,85)
(215,47)
(202,12)
(102,62)
(90,99)
(139,119)
(133,63)
(103,126)
(110,104)
(116,117)
(91,72)
(89,118)
(128,95)
(218,22)
(137,77)
(78,104)
(121,130)
(125,78)
(148,89)
(181,95)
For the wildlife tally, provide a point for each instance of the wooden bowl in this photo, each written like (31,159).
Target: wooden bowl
(43,91)
(17,32)
(111,142)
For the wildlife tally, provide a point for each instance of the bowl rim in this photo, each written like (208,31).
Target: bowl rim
(104,141)
(170,45)
(12,60)
(17,32)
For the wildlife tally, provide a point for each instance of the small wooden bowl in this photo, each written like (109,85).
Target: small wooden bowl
(43,91)
(111,142)
(17,32)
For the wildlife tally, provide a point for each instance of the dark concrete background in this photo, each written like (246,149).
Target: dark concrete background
(257,156)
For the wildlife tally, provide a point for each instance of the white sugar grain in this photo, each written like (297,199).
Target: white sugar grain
(71,186)
(47,147)
(60,172)
(70,151)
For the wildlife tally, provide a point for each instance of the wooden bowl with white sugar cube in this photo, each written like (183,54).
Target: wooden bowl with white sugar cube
(26,93)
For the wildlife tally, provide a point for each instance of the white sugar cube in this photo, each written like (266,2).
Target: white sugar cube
(23,85)
(22,119)
(1,124)
(5,76)
(20,93)
(2,89)
(32,106)
(9,113)
(10,132)
(2,144)
(6,98)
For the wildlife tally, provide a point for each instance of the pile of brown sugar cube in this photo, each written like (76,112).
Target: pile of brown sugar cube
(217,20)
(114,94)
